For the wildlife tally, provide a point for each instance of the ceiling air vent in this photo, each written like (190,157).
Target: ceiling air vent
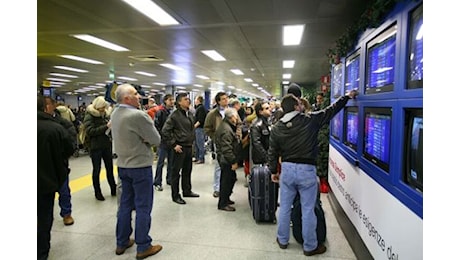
(145,58)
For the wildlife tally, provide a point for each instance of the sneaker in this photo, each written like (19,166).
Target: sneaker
(319,250)
(149,252)
(216,194)
(68,220)
(158,188)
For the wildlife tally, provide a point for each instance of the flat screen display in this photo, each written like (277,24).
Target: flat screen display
(380,70)
(351,128)
(415,58)
(414,148)
(337,80)
(352,73)
(336,125)
(377,135)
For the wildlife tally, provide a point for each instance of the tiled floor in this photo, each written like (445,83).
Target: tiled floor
(196,230)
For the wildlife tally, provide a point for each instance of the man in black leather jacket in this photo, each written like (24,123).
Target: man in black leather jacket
(260,134)
(295,138)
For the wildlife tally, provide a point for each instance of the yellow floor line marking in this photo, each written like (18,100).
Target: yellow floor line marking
(87,181)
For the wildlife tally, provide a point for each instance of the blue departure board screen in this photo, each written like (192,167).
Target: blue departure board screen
(352,73)
(351,130)
(415,66)
(377,130)
(336,125)
(380,70)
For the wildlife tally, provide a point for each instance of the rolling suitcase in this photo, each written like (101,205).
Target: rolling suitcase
(296,220)
(263,194)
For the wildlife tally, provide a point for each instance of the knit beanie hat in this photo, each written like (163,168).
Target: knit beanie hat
(99,102)
(295,90)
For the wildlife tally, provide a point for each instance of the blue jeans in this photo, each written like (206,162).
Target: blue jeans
(96,156)
(137,186)
(217,171)
(163,152)
(45,204)
(297,177)
(64,199)
(199,144)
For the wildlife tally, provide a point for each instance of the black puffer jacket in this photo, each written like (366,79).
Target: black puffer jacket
(260,137)
(295,136)
(96,127)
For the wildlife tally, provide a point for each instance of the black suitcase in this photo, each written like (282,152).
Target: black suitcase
(296,219)
(262,194)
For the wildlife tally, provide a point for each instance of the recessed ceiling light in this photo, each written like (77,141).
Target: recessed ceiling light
(288,64)
(72,57)
(292,34)
(98,41)
(127,78)
(248,80)
(202,77)
(145,73)
(286,76)
(171,66)
(70,68)
(58,79)
(63,75)
(213,55)
(152,11)
(237,72)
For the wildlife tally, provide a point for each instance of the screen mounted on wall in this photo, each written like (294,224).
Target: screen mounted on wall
(380,62)
(377,136)
(415,52)
(352,72)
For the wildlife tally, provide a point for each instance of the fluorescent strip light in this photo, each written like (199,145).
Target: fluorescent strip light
(198,85)
(202,77)
(255,85)
(292,34)
(231,87)
(63,75)
(159,84)
(127,78)
(180,87)
(286,76)
(213,55)
(237,72)
(57,79)
(171,66)
(100,42)
(57,83)
(285,82)
(72,57)
(152,11)
(145,73)
(248,80)
(288,64)
(70,68)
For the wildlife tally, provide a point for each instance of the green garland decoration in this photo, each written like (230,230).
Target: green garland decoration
(371,18)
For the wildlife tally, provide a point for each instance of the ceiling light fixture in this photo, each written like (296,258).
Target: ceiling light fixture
(288,64)
(70,68)
(292,34)
(248,80)
(127,78)
(72,57)
(152,11)
(145,73)
(63,75)
(98,41)
(58,79)
(286,76)
(237,72)
(213,55)
(171,66)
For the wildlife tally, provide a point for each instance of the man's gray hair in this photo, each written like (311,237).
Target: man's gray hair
(122,91)
(229,112)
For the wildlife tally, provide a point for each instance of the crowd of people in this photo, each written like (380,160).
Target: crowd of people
(282,135)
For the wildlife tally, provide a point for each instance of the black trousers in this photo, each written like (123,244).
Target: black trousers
(182,167)
(227,182)
(45,205)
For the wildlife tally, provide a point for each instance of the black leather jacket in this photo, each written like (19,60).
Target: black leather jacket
(260,137)
(295,136)
(179,129)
